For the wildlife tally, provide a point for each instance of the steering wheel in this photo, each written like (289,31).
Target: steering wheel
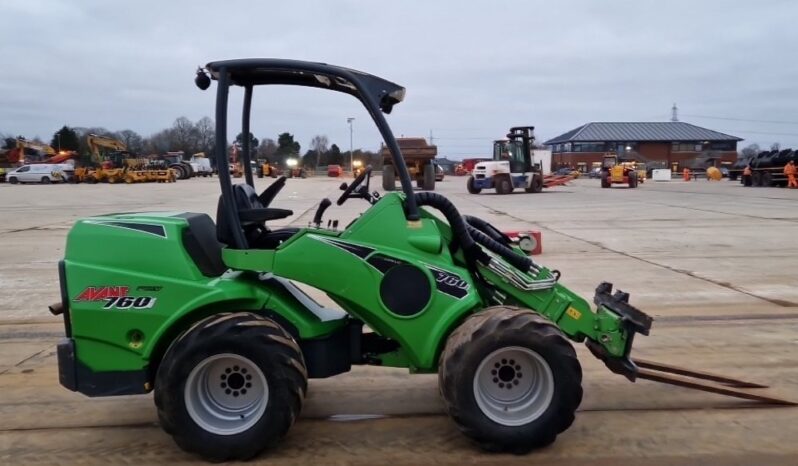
(354,185)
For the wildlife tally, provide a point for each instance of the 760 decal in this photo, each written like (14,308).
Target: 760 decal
(129,302)
(116,297)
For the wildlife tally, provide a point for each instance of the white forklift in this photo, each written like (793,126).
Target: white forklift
(514,165)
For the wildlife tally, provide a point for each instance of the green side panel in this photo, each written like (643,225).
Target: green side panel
(344,273)
(104,261)
(259,260)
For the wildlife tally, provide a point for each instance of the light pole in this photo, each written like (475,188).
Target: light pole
(351,146)
(58,135)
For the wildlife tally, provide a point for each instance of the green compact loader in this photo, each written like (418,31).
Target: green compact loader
(208,314)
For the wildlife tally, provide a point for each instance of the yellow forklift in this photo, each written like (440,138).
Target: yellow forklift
(615,172)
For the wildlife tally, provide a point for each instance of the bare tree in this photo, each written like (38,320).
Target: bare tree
(775,146)
(133,140)
(183,136)
(159,142)
(267,148)
(319,144)
(206,135)
(750,150)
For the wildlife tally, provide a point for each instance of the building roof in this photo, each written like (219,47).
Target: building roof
(632,132)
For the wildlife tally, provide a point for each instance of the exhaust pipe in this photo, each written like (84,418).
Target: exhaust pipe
(56,309)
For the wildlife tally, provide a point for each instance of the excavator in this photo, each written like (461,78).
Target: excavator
(104,169)
(17,154)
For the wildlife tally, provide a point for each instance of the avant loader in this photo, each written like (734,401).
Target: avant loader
(208,314)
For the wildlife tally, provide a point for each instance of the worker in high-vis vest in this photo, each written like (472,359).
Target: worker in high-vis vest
(790,171)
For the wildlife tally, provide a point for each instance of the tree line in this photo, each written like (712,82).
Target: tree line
(200,136)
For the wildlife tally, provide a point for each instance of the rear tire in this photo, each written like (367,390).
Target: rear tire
(503,183)
(537,184)
(756,179)
(767,179)
(632,179)
(388,178)
(470,185)
(510,379)
(201,388)
(46,180)
(429,177)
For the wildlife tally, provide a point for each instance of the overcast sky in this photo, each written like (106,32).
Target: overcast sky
(471,69)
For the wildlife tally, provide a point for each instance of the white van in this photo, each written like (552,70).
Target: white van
(45,173)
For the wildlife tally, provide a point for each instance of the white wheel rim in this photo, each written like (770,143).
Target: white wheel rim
(513,386)
(226,394)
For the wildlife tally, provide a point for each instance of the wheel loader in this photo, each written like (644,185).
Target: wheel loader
(615,172)
(207,312)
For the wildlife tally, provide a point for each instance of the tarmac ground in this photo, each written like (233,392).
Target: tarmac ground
(713,262)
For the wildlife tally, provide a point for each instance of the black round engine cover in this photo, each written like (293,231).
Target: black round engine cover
(405,290)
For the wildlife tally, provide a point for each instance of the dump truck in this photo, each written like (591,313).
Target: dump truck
(419,158)
(767,167)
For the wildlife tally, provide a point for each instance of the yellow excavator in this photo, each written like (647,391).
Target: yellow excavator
(17,154)
(104,169)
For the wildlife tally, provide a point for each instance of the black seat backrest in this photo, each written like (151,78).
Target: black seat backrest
(253,211)
(246,198)
(201,244)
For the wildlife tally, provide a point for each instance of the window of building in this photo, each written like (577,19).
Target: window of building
(686,147)
(588,147)
(722,145)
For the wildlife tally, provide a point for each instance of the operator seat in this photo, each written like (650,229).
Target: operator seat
(258,235)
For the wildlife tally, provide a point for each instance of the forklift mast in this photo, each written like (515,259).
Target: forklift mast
(527,135)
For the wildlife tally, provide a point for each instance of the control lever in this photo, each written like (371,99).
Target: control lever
(325,203)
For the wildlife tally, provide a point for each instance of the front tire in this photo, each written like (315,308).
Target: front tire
(510,379)
(428,182)
(536,185)
(13,180)
(503,183)
(231,386)
(632,179)
(471,186)
(46,180)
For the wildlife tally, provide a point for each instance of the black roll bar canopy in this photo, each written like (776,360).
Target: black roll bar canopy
(376,94)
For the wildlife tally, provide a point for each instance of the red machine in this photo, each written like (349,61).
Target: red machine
(530,242)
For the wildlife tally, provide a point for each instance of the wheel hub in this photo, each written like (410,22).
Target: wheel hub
(513,386)
(226,394)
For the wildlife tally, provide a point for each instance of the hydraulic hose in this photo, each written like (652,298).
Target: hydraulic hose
(516,260)
(471,238)
(487,228)
(456,222)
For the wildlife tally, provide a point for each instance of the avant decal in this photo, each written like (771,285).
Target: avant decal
(116,297)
